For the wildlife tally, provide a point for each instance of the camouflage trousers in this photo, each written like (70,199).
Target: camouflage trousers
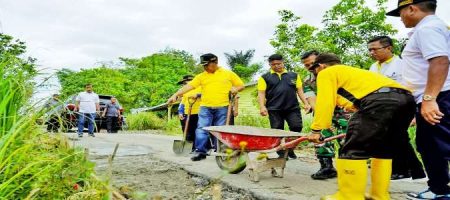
(340,123)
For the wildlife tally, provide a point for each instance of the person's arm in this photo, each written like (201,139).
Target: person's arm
(312,102)
(301,94)
(437,74)
(77,103)
(261,87)
(180,92)
(238,84)
(104,111)
(97,104)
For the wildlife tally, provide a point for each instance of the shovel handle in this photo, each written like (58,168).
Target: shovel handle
(230,106)
(186,124)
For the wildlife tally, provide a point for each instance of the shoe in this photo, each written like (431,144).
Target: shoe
(417,174)
(198,157)
(380,177)
(352,180)
(427,194)
(291,154)
(399,176)
(91,134)
(326,170)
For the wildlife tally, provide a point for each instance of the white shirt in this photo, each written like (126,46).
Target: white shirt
(87,102)
(391,68)
(429,39)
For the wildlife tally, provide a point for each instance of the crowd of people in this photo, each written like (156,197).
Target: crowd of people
(383,102)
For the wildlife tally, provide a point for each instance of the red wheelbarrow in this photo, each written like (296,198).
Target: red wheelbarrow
(235,142)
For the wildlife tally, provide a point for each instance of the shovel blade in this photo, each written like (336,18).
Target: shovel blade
(181,147)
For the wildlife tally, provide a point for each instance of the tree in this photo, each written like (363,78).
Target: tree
(239,62)
(347,27)
(13,49)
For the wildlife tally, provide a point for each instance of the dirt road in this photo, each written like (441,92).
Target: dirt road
(145,164)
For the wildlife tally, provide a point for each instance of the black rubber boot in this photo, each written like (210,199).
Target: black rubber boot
(326,170)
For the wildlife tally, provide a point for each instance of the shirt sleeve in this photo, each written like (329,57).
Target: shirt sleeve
(97,99)
(78,98)
(181,109)
(432,42)
(235,80)
(262,84)
(299,83)
(326,100)
(196,82)
(344,103)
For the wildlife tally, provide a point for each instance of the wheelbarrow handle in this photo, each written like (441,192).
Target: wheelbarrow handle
(304,138)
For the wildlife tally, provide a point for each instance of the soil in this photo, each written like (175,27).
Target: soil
(146,177)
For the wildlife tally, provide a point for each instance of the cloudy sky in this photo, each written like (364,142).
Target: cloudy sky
(83,33)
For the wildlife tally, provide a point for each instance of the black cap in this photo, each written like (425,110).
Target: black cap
(403,3)
(207,58)
(185,78)
(324,58)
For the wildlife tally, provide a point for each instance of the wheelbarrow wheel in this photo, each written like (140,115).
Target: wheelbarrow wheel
(233,164)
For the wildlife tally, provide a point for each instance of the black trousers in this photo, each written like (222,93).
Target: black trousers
(433,144)
(53,124)
(375,129)
(191,128)
(292,117)
(111,124)
(405,160)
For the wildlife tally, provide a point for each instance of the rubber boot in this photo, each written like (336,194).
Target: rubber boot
(352,179)
(381,176)
(318,174)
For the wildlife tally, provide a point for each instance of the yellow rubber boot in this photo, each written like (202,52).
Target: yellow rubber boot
(381,170)
(352,180)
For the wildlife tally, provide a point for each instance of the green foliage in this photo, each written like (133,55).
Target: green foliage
(239,62)
(10,47)
(347,28)
(145,121)
(252,120)
(32,164)
(146,81)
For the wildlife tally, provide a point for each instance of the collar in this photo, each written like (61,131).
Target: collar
(387,61)
(273,72)
(422,22)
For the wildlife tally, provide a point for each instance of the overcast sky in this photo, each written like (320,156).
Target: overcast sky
(83,33)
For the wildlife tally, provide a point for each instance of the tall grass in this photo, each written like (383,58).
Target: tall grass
(34,165)
(145,121)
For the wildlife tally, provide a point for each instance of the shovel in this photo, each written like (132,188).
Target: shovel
(183,147)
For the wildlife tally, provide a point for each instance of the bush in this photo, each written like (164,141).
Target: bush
(33,164)
(145,121)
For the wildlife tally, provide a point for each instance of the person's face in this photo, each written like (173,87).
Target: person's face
(407,16)
(308,62)
(113,100)
(379,52)
(319,68)
(211,67)
(88,88)
(277,66)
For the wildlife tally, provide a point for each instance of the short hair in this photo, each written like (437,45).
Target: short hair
(427,6)
(88,84)
(328,58)
(55,95)
(275,57)
(309,53)
(384,40)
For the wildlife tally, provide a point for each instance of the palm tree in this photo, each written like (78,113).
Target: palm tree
(239,62)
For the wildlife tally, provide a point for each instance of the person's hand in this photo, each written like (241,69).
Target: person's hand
(172,99)
(315,137)
(181,116)
(307,108)
(103,115)
(235,113)
(233,91)
(430,112)
(263,111)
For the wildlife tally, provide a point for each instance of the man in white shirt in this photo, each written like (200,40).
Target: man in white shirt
(87,104)
(405,163)
(426,72)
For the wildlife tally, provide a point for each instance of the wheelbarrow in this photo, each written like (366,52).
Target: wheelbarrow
(235,142)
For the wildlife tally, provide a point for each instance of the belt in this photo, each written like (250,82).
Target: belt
(389,89)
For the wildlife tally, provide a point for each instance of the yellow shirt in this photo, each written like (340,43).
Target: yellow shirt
(185,101)
(356,81)
(216,86)
(263,86)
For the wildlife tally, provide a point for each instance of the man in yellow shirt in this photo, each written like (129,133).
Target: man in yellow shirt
(216,84)
(192,97)
(385,109)
(277,97)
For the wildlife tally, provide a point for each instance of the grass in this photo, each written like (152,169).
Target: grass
(33,164)
(145,121)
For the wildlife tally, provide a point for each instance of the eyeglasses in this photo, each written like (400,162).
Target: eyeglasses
(276,64)
(376,49)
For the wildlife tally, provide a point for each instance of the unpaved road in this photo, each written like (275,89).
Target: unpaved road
(146,163)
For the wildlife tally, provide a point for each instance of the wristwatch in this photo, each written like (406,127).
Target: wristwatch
(428,98)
